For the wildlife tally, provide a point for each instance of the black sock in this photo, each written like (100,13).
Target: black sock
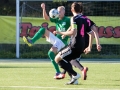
(63,72)
(77,64)
(70,75)
(67,66)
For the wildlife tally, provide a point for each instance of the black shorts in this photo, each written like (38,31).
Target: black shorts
(69,53)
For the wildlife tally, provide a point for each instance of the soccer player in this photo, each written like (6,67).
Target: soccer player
(87,50)
(92,26)
(76,46)
(62,25)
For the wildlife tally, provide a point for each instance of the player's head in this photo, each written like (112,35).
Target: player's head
(61,10)
(76,7)
(81,6)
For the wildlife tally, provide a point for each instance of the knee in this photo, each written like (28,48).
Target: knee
(49,53)
(57,58)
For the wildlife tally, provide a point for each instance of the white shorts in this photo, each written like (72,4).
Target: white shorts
(55,41)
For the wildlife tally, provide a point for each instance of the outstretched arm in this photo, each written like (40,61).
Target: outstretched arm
(63,36)
(71,30)
(45,16)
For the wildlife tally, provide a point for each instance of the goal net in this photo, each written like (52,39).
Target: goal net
(105,13)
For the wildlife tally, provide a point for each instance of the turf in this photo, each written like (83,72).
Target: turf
(39,76)
(8,28)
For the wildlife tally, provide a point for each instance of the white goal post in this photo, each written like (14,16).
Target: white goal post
(18,19)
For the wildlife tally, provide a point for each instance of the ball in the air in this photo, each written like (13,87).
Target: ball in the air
(53,13)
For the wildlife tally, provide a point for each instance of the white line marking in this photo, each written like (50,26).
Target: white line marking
(55,88)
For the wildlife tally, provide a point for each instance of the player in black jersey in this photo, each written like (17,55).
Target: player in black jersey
(79,27)
(92,26)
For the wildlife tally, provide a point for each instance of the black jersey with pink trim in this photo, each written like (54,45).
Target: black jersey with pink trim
(90,22)
(78,41)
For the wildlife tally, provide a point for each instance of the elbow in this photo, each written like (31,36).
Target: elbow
(46,18)
(71,33)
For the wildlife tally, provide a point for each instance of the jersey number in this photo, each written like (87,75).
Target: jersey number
(82,30)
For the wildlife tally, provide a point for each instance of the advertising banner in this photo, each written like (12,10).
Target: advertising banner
(29,26)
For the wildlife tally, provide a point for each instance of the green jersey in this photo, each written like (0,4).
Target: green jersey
(62,26)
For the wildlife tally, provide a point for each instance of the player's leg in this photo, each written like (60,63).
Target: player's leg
(51,53)
(62,58)
(77,64)
(57,46)
(37,36)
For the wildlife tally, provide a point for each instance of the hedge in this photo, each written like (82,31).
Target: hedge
(41,50)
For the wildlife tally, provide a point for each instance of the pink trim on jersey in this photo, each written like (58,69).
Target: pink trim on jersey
(87,19)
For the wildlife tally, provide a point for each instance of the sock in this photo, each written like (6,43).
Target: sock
(70,75)
(38,35)
(67,66)
(63,72)
(52,57)
(77,64)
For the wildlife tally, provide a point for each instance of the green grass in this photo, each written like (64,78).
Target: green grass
(8,28)
(39,76)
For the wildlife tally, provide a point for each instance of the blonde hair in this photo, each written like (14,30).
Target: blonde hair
(62,7)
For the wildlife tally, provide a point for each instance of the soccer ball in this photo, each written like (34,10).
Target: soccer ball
(53,13)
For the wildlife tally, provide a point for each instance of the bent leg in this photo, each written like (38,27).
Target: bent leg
(38,35)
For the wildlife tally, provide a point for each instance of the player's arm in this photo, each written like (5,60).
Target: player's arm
(70,31)
(91,38)
(67,33)
(96,38)
(45,16)
(63,36)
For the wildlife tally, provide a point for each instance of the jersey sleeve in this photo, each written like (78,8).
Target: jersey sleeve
(88,30)
(91,23)
(73,23)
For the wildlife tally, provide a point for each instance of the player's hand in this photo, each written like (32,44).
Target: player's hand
(43,5)
(63,36)
(87,50)
(56,32)
(99,47)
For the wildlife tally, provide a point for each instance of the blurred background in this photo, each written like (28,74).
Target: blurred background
(106,15)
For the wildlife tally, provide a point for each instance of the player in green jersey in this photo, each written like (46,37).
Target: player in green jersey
(62,25)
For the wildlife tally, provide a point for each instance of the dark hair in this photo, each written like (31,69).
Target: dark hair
(81,6)
(78,7)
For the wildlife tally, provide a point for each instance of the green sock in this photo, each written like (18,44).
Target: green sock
(38,35)
(52,57)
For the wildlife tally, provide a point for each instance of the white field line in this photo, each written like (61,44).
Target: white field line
(36,87)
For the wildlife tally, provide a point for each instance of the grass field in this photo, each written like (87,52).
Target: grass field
(39,76)
(8,28)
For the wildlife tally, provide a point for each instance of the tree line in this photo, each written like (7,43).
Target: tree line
(105,8)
